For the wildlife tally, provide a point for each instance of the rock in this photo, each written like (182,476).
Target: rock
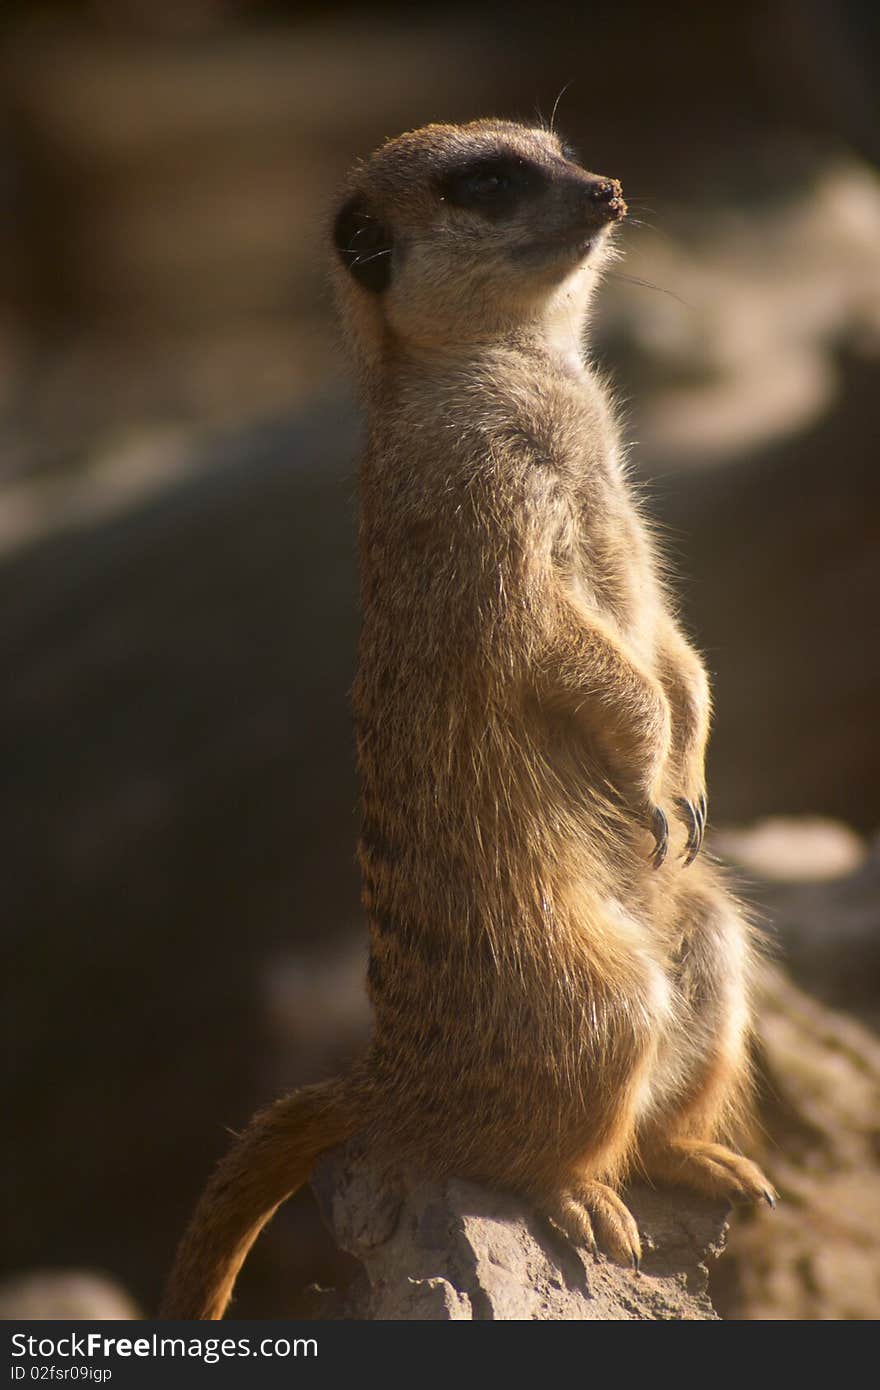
(65,1294)
(819,1093)
(817,883)
(452,1251)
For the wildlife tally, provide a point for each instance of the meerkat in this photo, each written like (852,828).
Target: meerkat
(560,981)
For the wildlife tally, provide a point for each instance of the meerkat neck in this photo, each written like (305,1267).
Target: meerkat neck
(551,337)
(553,347)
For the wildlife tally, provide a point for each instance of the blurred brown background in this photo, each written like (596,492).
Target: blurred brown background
(177,611)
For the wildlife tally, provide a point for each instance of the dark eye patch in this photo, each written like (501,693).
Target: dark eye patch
(493,186)
(570,153)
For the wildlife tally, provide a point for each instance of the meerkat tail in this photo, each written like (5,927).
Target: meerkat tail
(270,1160)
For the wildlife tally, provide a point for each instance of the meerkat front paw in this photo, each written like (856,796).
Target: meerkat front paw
(659,827)
(712,1169)
(693,812)
(642,773)
(650,816)
(592,1214)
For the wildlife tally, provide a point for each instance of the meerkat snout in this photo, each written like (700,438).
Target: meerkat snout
(606,197)
(589,203)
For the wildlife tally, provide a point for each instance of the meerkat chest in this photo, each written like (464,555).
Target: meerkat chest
(493,465)
(605,557)
(605,554)
(599,540)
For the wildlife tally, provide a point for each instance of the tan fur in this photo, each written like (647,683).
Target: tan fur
(552,1012)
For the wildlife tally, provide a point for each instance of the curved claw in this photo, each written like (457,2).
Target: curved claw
(660,831)
(695,821)
(704,810)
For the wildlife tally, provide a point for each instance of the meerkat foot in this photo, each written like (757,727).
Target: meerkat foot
(713,1170)
(613,1222)
(592,1214)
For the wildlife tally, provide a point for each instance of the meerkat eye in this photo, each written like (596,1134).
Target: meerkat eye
(492,186)
(484,184)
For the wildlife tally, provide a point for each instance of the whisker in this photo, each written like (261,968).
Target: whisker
(562,93)
(648,285)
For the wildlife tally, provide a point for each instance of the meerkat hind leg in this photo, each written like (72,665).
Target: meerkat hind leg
(682,1147)
(592,1214)
(711,1169)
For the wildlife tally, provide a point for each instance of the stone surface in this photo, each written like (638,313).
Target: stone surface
(449,1251)
(818,1137)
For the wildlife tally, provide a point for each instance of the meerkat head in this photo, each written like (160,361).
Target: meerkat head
(451,235)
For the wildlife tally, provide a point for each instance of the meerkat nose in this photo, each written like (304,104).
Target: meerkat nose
(606,198)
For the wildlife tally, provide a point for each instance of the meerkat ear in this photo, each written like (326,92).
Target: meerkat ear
(364,245)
